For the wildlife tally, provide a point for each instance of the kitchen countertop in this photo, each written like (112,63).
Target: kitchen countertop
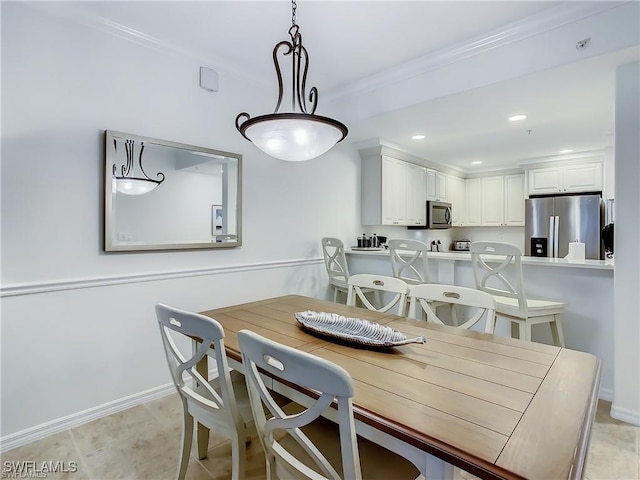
(538,261)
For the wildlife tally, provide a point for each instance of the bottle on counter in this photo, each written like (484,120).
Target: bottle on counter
(374,241)
(362,241)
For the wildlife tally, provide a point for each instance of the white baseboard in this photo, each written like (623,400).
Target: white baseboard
(625,415)
(23,437)
(606,394)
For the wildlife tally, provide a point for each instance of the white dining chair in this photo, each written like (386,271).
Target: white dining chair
(221,403)
(335,262)
(360,283)
(478,304)
(490,263)
(409,262)
(300,443)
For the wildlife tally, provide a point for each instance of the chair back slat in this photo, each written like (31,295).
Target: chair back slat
(492,264)
(334,259)
(362,282)
(426,296)
(177,327)
(409,261)
(331,382)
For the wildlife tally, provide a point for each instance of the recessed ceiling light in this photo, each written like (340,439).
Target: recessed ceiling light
(517,118)
(419,137)
(476,162)
(568,150)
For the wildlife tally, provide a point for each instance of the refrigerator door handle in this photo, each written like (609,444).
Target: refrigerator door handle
(552,236)
(555,236)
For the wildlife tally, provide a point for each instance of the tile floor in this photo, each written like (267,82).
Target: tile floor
(143,443)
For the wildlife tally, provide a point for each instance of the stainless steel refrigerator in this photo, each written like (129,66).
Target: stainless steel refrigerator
(551,223)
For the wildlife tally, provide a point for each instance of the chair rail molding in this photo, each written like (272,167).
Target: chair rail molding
(75,284)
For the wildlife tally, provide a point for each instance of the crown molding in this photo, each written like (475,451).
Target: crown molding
(67,11)
(565,13)
(589,156)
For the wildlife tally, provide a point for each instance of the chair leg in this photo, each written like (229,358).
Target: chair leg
(527,330)
(335,294)
(187,437)
(238,457)
(556,331)
(522,331)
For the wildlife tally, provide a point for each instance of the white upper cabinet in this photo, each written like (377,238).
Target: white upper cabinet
(437,185)
(457,197)
(514,200)
(393,192)
(393,201)
(492,201)
(474,201)
(416,194)
(566,179)
(495,201)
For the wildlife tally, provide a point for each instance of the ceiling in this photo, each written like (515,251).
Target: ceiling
(569,107)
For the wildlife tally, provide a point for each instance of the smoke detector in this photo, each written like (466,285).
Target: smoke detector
(582,44)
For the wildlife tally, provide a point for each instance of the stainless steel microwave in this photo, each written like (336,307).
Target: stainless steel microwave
(438,214)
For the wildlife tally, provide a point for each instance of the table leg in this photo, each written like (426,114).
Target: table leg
(202,432)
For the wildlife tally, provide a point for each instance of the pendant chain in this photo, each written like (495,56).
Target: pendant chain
(294,5)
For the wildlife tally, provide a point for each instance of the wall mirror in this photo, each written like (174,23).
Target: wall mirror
(161,195)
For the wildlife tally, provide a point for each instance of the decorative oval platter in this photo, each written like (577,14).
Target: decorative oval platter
(353,330)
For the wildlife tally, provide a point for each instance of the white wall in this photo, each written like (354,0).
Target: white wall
(626,399)
(78,328)
(89,315)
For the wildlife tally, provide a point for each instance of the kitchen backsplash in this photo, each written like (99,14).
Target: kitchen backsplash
(514,235)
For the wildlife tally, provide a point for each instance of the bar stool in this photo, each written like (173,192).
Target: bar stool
(489,261)
(335,262)
(409,263)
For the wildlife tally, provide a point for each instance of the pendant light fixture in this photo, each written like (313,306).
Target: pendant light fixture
(299,134)
(128,184)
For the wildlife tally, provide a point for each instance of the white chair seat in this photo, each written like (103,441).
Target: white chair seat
(509,306)
(491,262)
(242,401)
(377,463)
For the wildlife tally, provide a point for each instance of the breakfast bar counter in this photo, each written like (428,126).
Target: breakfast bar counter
(463,256)
(586,287)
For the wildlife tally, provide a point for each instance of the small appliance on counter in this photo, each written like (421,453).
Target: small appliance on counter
(461,245)
(373,242)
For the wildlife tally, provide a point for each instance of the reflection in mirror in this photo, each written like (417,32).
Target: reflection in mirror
(162,195)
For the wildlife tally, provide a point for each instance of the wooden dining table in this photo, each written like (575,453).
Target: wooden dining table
(496,407)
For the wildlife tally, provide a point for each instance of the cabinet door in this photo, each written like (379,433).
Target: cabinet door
(432,184)
(442,182)
(582,178)
(514,200)
(393,206)
(493,201)
(545,180)
(474,201)
(457,196)
(416,194)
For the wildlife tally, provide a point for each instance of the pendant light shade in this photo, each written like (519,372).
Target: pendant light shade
(135,186)
(292,136)
(126,183)
(300,134)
